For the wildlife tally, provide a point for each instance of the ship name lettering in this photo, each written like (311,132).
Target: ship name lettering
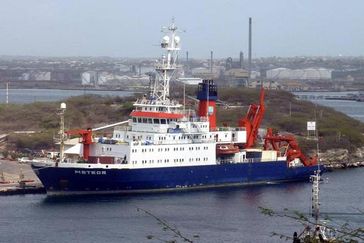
(87,172)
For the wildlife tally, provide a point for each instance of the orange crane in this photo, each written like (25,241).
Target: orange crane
(86,136)
(252,120)
(278,142)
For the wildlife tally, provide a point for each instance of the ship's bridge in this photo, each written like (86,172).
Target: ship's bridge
(154,115)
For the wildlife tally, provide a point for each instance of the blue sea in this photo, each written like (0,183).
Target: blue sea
(220,215)
(22,96)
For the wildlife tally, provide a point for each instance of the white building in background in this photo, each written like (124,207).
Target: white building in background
(104,77)
(254,74)
(89,78)
(36,76)
(123,68)
(202,72)
(272,85)
(41,76)
(108,78)
(25,76)
(190,81)
(303,74)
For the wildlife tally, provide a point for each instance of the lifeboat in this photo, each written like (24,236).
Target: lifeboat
(226,149)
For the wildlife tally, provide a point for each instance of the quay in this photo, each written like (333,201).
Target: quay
(326,97)
(17,178)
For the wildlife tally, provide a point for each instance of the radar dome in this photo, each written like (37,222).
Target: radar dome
(177,39)
(165,39)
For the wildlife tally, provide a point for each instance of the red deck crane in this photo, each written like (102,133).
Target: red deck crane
(287,142)
(86,136)
(252,120)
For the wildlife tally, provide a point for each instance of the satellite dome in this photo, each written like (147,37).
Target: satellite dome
(165,39)
(177,39)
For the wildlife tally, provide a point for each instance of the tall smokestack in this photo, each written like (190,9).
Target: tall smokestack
(241,59)
(187,65)
(250,48)
(211,60)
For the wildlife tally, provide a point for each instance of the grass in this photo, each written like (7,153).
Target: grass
(41,117)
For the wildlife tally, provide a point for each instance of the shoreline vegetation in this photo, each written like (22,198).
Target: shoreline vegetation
(34,126)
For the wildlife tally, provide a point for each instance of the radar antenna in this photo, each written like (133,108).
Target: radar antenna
(167,65)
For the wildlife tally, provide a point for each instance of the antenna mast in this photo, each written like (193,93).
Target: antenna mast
(61,132)
(167,66)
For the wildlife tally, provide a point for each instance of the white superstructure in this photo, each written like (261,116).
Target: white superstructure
(160,132)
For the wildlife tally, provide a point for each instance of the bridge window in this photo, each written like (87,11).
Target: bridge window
(150,120)
(134,119)
(163,121)
(156,121)
(139,120)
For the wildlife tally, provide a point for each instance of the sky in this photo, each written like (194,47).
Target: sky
(131,28)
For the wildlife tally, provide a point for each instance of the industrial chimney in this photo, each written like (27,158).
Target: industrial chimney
(250,49)
(211,60)
(241,60)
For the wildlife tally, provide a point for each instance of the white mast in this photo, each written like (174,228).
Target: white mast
(167,66)
(315,209)
(61,132)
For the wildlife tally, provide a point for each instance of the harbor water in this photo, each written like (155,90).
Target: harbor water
(220,215)
(22,96)
(352,108)
(216,215)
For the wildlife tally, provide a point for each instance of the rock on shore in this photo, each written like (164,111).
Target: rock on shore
(342,158)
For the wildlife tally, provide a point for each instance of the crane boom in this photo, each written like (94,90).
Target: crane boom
(86,136)
(252,120)
(110,125)
(289,142)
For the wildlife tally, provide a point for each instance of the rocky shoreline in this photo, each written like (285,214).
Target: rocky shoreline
(342,158)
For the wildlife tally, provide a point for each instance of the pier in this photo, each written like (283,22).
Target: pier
(16,178)
(350,97)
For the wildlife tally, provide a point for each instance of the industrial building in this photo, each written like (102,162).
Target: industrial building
(300,74)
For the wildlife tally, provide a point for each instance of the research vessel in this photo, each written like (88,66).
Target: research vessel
(164,146)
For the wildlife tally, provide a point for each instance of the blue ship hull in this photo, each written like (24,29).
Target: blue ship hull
(60,180)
